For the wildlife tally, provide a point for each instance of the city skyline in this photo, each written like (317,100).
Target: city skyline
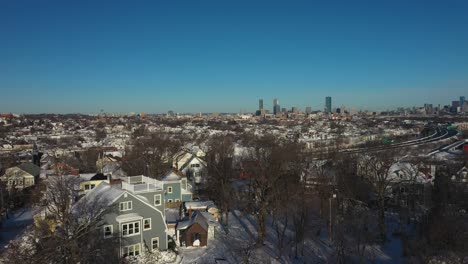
(66,58)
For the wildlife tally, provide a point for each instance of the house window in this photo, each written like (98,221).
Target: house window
(147,224)
(92,186)
(132,250)
(130,229)
(195,165)
(157,199)
(108,231)
(155,243)
(169,189)
(86,187)
(177,200)
(169,200)
(126,206)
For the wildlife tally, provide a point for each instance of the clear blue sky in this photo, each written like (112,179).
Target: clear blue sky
(204,56)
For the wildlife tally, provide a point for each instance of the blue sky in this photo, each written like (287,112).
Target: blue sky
(222,56)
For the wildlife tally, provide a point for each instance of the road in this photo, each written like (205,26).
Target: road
(439,133)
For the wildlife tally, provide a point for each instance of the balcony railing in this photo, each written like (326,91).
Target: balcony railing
(141,183)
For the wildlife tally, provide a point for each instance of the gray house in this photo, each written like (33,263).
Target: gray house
(134,214)
(177,189)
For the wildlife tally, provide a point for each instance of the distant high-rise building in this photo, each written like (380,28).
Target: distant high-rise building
(328,104)
(462,103)
(428,108)
(308,110)
(260,104)
(294,109)
(276,107)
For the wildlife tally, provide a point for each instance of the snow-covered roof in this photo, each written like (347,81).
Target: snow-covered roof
(199,205)
(86,176)
(104,193)
(171,176)
(128,217)
(197,217)
(404,171)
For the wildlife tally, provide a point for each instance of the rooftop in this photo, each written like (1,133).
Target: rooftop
(141,183)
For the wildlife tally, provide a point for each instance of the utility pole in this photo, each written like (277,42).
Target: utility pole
(330,232)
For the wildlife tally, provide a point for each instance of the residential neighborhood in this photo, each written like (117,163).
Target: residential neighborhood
(148,187)
(233,132)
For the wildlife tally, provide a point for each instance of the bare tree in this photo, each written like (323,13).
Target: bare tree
(219,161)
(70,232)
(376,168)
(151,155)
(65,232)
(270,160)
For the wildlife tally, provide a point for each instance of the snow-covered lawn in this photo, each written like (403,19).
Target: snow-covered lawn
(240,244)
(13,227)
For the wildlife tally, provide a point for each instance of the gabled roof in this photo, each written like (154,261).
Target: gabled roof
(30,168)
(199,205)
(172,175)
(464,168)
(197,217)
(190,160)
(98,177)
(105,193)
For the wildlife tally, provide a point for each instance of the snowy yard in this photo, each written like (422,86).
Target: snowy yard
(13,227)
(236,246)
(242,233)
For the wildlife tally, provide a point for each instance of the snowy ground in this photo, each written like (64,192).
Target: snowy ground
(233,248)
(15,226)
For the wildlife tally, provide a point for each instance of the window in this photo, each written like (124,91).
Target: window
(108,231)
(132,250)
(177,200)
(147,224)
(86,187)
(130,229)
(92,186)
(169,200)
(157,199)
(195,165)
(169,189)
(155,243)
(126,206)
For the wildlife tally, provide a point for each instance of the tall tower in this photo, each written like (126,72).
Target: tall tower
(328,104)
(462,104)
(260,104)
(276,106)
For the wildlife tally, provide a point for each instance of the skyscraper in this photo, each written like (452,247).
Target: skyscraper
(276,107)
(328,104)
(462,103)
(260,104)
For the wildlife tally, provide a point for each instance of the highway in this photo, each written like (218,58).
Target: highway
(440,133)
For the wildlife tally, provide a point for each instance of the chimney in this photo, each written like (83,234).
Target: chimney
(190,213)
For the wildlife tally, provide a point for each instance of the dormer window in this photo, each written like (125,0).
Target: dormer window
(169,189)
